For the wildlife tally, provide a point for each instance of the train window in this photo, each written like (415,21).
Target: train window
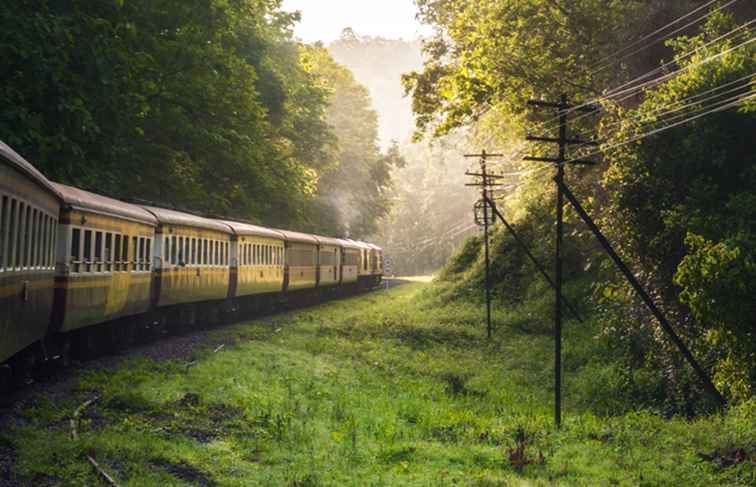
(148,254)
(76,250)
(216,252)
(12,229)
(31,256)
(193,259)
(40,240)
(117,252)
(20,242)
(142,255)
(185,256)
(42,246)
(225,253)
(108,252)
(87,251)
(27,237)
(125,253)
(53,240)
(174,251)
(134,254)
(181,255)
(48,242)
(98,252)
(3,230)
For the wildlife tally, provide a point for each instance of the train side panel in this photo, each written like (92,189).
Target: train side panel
(28,232)
(194,265)
(329,262)
(260,265)
(104,261)
(301,265)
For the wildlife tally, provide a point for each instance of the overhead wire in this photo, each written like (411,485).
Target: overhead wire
(657,31)
(626,91)
(667,36)
(722,105)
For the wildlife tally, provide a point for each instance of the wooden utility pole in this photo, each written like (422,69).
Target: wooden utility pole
(486,185)
(563,109)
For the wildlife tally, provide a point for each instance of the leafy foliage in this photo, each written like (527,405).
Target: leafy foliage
(678,205)
(203,103)
(682,203)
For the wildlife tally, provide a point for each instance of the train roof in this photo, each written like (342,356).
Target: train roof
(360,245)
(248,229)
(374,246)
(349,244)
(329,241)
(84,200)
(299,237)
(25,167)
(173,217)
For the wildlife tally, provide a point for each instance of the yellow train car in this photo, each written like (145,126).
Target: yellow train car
(301,260)
(104,260)
(376,260)
(350,261)
(29,206)
(329,261)
(192,258)
(257,260)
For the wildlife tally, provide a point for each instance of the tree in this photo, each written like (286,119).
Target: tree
(202,104)
(682,201)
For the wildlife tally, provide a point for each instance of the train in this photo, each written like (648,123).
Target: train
(82,274)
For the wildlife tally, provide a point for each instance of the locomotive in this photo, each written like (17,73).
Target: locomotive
(82,273)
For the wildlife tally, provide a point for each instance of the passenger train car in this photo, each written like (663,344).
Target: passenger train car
(81,273)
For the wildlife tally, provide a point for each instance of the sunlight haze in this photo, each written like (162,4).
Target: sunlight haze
(323,20)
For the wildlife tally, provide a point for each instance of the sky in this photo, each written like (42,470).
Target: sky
(323,20)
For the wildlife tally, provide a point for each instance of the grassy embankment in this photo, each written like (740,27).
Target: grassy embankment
(392,388)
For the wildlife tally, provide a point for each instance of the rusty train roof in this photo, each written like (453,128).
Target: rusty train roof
(79,199)
(248,229)
(172,217)
(25,167)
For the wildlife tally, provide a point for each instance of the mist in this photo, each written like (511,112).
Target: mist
(431,212)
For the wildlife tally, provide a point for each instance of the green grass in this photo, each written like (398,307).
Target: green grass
(397,387)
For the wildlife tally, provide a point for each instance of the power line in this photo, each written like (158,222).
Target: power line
(665,109)
(627,92)
(657,31)
(723,106)
(679,29)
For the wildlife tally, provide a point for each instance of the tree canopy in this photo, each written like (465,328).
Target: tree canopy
(674,186)
(203,104)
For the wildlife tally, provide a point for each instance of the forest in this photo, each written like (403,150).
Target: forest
(672,187)
(207,106)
